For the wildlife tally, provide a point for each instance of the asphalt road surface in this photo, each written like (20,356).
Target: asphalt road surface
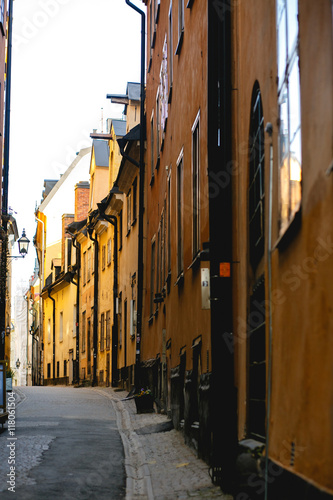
(65,445)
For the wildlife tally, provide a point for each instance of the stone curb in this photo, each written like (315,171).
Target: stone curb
(138,480)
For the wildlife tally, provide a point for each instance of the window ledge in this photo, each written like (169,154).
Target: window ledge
(180,279)
(133,222)
(157,163)
(289,233)
(150,320)
(128,232)
(189,4)
(152,179)
(149,65)
(180,43)
(195,262)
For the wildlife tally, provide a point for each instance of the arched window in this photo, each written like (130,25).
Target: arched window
(256,179)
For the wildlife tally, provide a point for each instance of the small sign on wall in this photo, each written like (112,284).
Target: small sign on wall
(205,288)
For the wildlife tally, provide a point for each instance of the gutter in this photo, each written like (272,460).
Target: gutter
(141,194)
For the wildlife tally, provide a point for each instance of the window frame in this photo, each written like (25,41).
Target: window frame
(196,186)
(180,215)
(102,332)
(290,190)
(181,25)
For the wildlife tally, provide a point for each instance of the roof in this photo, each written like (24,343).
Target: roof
(119,127)
(76,226)
(101,149)
(132,135)
(133,91)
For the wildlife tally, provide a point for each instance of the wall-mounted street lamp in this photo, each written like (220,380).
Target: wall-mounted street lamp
(18,363)
(8,330)
(23,244)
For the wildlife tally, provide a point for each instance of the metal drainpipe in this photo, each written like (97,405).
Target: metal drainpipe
(53,363)
(95,338)
(269,130)
(112,219)
(78,264)
(141,195)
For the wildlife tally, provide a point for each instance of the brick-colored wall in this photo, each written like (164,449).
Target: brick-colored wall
(66,220)
(81,200)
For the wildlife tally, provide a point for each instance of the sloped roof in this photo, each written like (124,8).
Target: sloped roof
(119,127)
(133,91)
(101,149)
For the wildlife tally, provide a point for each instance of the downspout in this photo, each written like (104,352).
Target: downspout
(112,219)
(128,158)
(141,194)
(269,130)
(78,265)
(95,337)
(5,182)
(223,423)
(53,318)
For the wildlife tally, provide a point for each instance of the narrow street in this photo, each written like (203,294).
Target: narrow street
(65,445)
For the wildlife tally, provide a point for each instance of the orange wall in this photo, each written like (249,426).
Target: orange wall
(302,271)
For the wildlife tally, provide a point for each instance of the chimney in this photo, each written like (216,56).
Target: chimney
(66,220)
(81,201)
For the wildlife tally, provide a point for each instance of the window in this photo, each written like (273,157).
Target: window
(2,16)
(48,370)
(102,332)
(170,51)
(58,369)
(103,257)
(83,332)
(125,327)
(74,320)
(152,145)
(180,25)
(195,186)
(134,203)
(180,231)
(120,229)
(108,330)
(164,90)
(61,327)
(152,277)
(129,219)
(120,319)
(65,368)
(89,264)
(109,252)
(89,328)
(132,319)
(158,262)
(49,330)
(169,223)
(84,268)
(256,179)
(290,160)
(158,125)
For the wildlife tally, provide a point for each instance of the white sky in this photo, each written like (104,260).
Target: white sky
(67,55)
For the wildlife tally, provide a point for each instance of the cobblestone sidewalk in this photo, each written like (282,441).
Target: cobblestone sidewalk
(158,463)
